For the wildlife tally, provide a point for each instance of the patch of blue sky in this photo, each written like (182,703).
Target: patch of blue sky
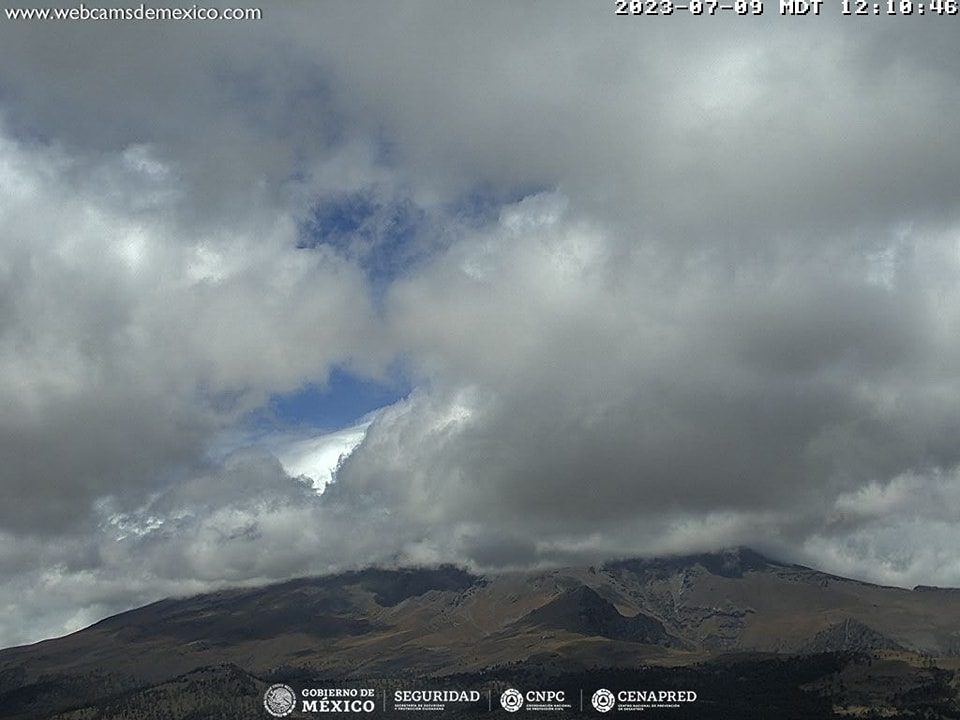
(386,236)
(343,401)
(390,236)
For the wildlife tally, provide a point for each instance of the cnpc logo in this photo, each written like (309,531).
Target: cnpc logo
(513,700)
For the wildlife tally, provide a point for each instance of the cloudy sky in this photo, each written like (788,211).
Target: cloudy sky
(506,284)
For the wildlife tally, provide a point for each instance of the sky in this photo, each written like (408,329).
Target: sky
(503,284)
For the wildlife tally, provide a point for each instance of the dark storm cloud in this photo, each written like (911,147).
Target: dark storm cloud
(728,314)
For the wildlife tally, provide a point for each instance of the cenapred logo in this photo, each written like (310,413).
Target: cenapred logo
(511,700)
(279,700)
(603,700)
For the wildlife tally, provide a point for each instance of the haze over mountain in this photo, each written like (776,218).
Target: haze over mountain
(432,623)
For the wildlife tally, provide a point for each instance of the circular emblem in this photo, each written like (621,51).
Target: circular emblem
(603,700)
(511,700)
(279,700)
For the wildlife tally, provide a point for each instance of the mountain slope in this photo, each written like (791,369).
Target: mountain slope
(420,622)
(582,611)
